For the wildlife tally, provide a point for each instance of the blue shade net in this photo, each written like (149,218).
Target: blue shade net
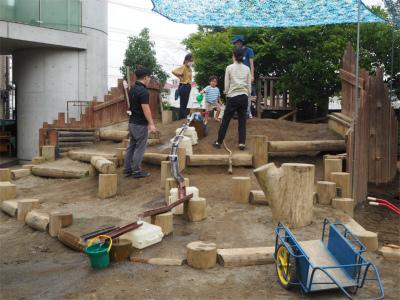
(263,13)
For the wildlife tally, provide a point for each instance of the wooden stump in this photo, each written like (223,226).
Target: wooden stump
(201,255)
(343,181)
(102,165)
(326,191)
(289,190)
(107,185)
(165,221)
(259,150)
(174,194)
(257,197)
(119,152)
(25,206)
(8,190)
(345,204)
(241,189)
(49,152)
(195,209)
(37,220)
(5,175)
(59,220)
(171,183)
(181,159)
(10,207)
(331,165)
(121,250)
(17,174)
(165,172)
(38,160)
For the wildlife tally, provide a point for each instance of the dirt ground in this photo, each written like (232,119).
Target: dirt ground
(36,266)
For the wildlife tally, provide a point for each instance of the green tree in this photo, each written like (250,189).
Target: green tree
(140,52)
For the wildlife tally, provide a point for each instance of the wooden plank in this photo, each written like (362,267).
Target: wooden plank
(351,78)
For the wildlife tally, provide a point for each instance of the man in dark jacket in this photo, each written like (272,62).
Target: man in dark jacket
(140,122)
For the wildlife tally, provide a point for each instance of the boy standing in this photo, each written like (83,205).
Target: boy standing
(212,98)
(140,121)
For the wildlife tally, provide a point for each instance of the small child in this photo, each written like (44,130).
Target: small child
(212,100)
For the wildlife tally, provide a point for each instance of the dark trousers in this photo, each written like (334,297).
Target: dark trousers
(184,93)
(137,145)
(235,104)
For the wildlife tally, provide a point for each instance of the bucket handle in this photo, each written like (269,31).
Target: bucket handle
(91,241)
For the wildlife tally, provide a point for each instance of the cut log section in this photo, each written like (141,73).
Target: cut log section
(5,175)
(344,204)
(165,221)
(59,172)
(59,220)
(331,165)
(195,209)
(103,165)
(326,191)
(240,257)
(121,250)
(259,150)
(154,158)
(17,174)
(107,185)
(49,152)
(25,206)
(38,160)
(10,207)
(257,197)
(238,160)
(294,146)
(343,181)
(201,255)
(86,156)
(37,220)
(241,189)
(114,135)
(8,190)
(289,190)
(165,172)
(368,238)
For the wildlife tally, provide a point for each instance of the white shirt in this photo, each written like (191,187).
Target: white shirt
(237,80)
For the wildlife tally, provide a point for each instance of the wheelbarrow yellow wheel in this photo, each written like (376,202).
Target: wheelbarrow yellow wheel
(285,267)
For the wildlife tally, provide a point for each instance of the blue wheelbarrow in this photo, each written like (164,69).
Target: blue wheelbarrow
(334,262)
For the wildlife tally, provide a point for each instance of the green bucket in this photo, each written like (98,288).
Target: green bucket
(99,253)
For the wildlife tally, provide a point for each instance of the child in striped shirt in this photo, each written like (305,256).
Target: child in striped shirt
(212,99)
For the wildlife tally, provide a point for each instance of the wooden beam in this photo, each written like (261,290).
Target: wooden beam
(317,145)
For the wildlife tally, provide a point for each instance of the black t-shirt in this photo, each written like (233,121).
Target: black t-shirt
(138,95)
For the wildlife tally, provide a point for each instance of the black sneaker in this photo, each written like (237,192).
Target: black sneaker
(140,174)
(242,147)
(216,145)
(127,174)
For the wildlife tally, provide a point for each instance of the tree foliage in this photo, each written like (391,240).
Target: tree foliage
(307,59)
(140,52)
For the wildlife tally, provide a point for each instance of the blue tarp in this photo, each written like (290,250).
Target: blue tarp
(263,13)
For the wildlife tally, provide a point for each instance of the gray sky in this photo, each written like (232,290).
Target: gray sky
(126,17)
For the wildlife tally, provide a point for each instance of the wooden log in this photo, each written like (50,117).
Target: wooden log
(194,210)
(49,152)
(186,143)
(154,158)
(201,255)
(241,189)
(181,159)
(257,197)
(114,135)
(5,175)
(331,165)
(242,159)
(59,220)
(368,238)
(8,190)
(259,149)
(37,220)
(343,181)
(165,172)
(120,153)
(165,221)
(344,204)
(238,159)
(159,261)
(174,196)
(10,207)
(326,191)
(49,171)
(107,185)
(103,165)
(121,250)
(17,174)
(38,160)
(389,253)
(24,206)
(125,143)
(86,156)
(318,145)
(289,190)
(172,183)
(240,257)
(153,142)
(28,166)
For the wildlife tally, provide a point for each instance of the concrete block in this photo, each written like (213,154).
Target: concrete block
(7,190)
(49,152)
(107,185)
(5,175)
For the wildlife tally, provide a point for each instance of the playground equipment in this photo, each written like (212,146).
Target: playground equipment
(335,261)
(384,203)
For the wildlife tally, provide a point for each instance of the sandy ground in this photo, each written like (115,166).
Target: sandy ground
(36,266)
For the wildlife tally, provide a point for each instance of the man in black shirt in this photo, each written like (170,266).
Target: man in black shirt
(140,122)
